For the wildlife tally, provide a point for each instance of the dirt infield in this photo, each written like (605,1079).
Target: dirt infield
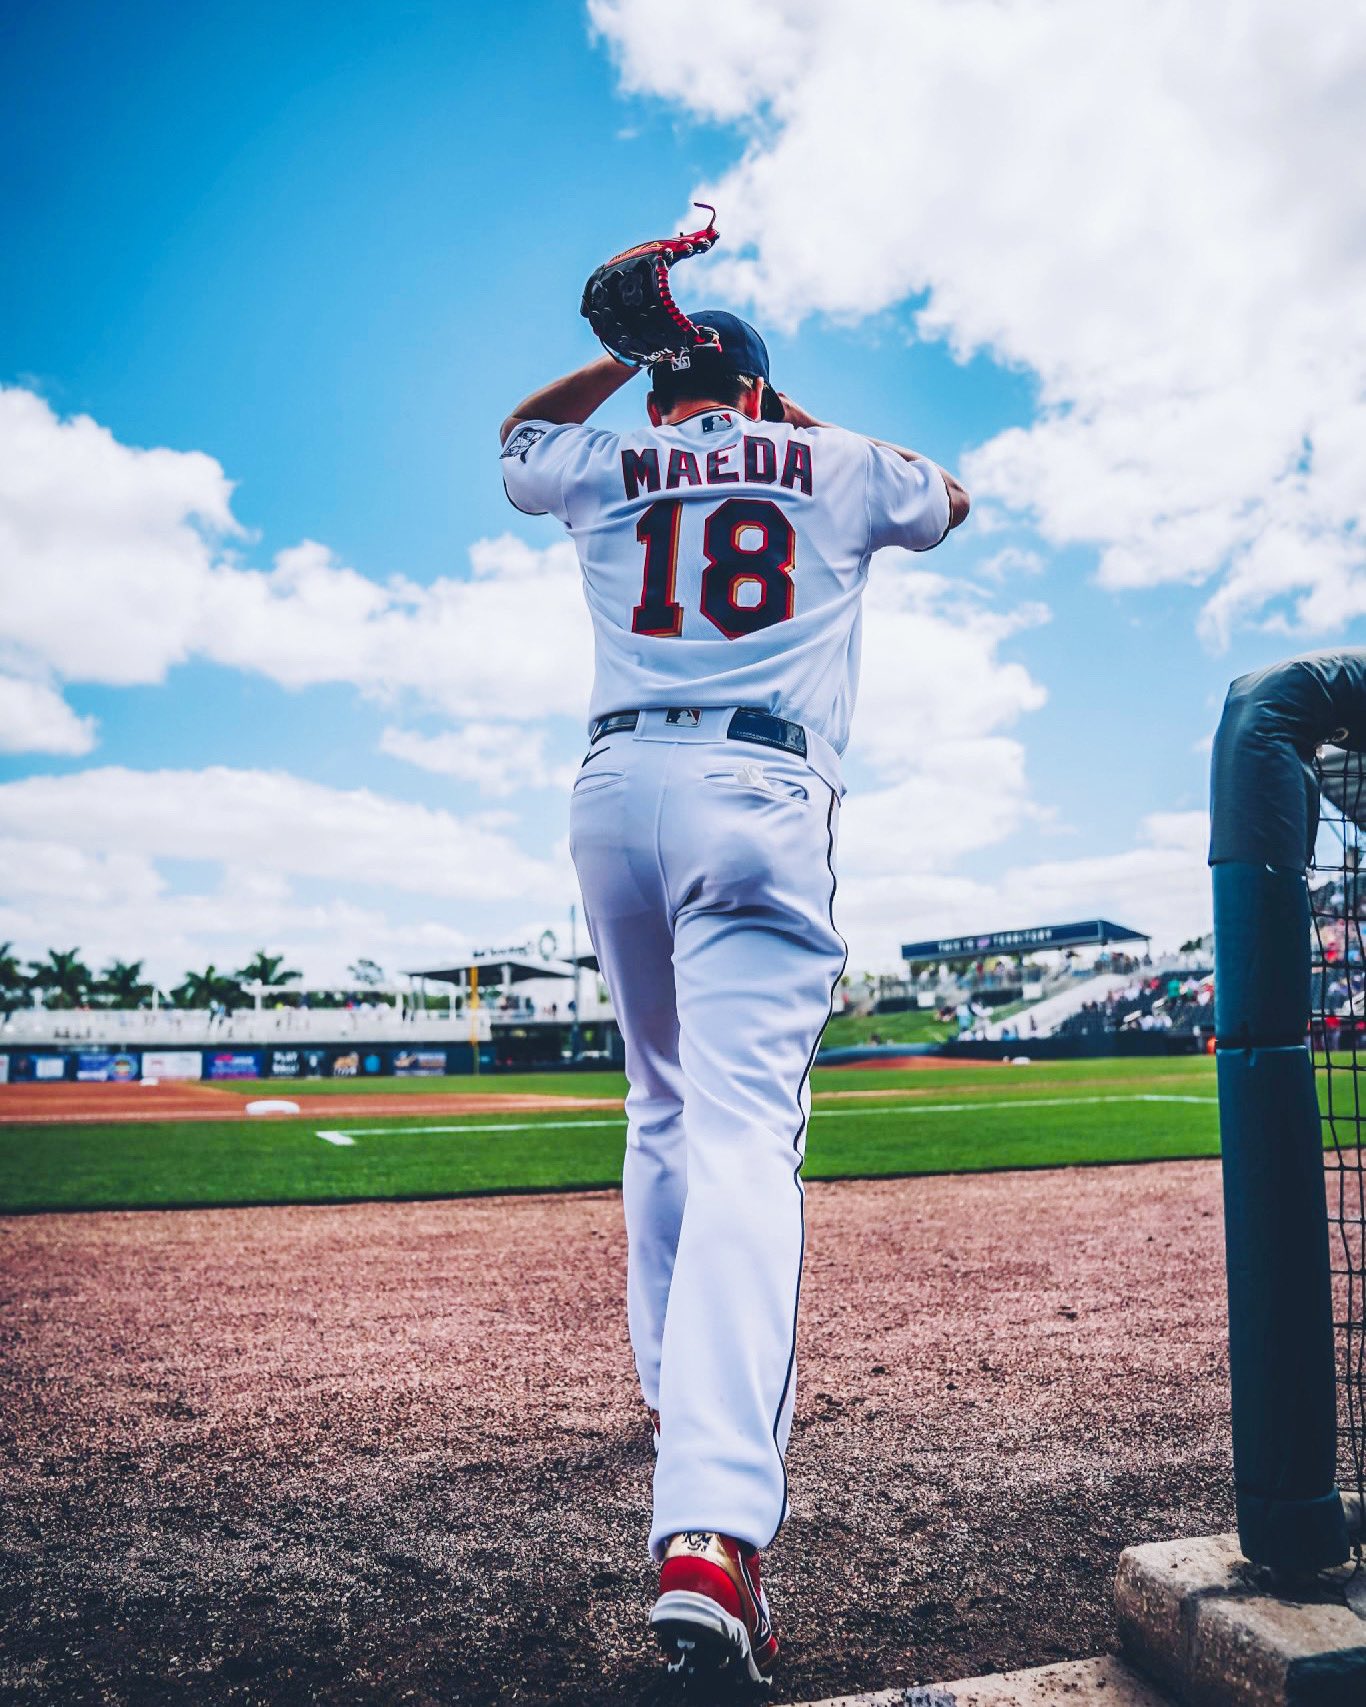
(56,1105)
(393,1452)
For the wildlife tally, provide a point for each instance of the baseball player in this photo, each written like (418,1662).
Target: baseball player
(725,548)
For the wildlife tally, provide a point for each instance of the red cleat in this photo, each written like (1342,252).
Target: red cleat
(712,1616)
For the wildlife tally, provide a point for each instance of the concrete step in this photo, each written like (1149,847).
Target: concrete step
(1105,1682)
(1220,1633)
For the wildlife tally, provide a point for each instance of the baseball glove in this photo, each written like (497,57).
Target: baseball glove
(628,303)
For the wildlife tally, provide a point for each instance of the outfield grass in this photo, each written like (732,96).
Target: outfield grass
(924,1121)
(986,1075)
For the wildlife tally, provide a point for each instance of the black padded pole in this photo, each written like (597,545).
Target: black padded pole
(1264,816)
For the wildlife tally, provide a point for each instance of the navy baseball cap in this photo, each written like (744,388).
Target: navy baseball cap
(742,349)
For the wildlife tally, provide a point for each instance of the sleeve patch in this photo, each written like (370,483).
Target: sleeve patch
(522,440)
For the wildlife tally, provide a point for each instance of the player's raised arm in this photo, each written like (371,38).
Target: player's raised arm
(959,502)
(573,398)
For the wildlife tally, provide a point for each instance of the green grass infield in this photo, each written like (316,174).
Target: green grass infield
(909,1122)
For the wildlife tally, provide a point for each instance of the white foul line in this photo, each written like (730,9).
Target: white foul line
(982,1106)
(497,1126)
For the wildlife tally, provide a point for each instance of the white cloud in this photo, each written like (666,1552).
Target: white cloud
(1156,209)
(932,674)
(959,795)
(104,549)
(935,702)
(117,564)
(34,718)
(268,821)
(88,858)
(500,758)
(120,906)
(38,870)
(1010,560)
(1161,885)
(512,641)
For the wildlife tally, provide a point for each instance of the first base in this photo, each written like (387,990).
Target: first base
(272,1105)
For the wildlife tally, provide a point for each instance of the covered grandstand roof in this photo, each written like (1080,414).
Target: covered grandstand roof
(502,969)
(1088,933)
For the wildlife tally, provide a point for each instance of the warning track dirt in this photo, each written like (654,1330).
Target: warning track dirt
(60,1104)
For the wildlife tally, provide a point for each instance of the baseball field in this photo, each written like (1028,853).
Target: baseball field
(340,1407)
(133,1147)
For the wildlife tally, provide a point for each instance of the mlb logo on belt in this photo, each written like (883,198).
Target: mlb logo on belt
(687,719)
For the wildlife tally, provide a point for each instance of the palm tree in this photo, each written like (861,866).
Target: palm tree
(14,984)
(265,968)
(64,974)
(122,982)
(204,989)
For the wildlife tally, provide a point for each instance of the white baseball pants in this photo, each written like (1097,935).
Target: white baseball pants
(706,866)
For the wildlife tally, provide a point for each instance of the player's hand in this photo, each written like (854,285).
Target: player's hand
(794,414)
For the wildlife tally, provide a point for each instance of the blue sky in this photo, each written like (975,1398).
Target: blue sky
(328,247)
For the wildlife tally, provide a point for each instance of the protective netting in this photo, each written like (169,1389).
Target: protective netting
(1337,889)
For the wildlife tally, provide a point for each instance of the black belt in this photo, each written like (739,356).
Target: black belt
(759,727)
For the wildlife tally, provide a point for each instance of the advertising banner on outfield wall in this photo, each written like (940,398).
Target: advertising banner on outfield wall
(356,1063)
(172,1064)
(312,1063)
(232,1064)
(4,1069)
(333,1063)
(419,1063)
(100,1066)
(25,1068)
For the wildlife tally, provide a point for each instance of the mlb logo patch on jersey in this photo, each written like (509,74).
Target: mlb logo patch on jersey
(522,440)
(688,719)
(715,423)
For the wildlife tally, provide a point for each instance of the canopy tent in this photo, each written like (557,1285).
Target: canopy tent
(1089,933)
(503,970)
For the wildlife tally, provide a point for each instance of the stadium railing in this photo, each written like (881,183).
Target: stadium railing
(1296,1319)
(194,1027)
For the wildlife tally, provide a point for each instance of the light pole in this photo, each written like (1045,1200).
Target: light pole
(574,962)
(474,1016)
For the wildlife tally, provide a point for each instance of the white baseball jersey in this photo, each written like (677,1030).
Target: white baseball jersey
(723,562)
(723,559)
